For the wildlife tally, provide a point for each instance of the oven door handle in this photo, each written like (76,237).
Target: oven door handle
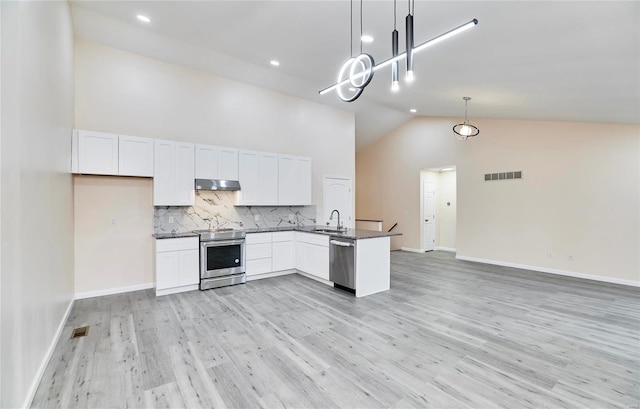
(221,243)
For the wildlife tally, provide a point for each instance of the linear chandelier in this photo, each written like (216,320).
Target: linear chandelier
(357,72)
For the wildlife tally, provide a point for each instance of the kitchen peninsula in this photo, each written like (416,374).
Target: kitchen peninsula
(317,252)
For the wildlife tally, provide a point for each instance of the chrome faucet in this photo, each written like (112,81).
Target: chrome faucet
(331,218)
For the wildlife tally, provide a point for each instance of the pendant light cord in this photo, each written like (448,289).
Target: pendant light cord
(394,14)
(465,110)
(351,28)
(361,26)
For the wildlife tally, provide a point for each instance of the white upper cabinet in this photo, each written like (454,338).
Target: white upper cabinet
(174,165)
(227,163)
(97,153)
(294,180)
(249,172)
(206,162)
(214,162)
(258,173)
(185,176)
(101,153)
(268,178)
(135,156)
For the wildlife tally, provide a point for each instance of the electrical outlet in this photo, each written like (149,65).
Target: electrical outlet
(171,219)
(256,217)
(570,257)
(550,254)
(113,221)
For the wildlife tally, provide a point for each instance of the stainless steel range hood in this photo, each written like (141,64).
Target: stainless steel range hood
(217,184)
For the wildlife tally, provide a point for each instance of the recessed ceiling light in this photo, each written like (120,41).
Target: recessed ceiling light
(144,18)
(413,110)
(366,38)
(274,63)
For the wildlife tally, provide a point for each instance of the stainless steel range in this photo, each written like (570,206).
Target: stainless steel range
(222,258)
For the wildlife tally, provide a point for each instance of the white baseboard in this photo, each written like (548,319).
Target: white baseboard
(412,250)
(269,275)
(451,249)
(311,276)
(176,290)
(611,280)
(110,291)
(47,357)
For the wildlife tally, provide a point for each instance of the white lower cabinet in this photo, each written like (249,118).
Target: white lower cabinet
(270,252)
(283,251)
(258,253)
(312,254)
(177,265)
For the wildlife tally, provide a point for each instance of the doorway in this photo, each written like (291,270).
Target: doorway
(438,209)
(338,195)
(429,212)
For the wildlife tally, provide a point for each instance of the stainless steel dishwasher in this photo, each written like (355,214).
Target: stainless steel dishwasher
(342,263)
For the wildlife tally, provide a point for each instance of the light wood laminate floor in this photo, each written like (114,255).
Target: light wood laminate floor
(449,334)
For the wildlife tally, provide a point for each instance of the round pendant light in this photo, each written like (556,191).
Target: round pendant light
(466,129)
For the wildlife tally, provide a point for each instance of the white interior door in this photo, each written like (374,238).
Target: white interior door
(338,196)
(429,206)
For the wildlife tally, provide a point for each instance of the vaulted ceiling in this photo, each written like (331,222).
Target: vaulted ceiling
(538,60)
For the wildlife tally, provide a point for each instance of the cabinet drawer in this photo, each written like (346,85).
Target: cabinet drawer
(184,243)
(258,251)
(258,266)
(282,236)
(256,238)
(311,238)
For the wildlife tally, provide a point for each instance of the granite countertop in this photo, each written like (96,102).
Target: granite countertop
(174,235)
(353,234)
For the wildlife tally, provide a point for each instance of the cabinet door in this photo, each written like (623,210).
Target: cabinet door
(97,153)
(206,162)
(249,172)
(164,172)
(268,179)
(135,156)
(228,164)
(299,255)
(308,258)
(287,179)
(321,262)
(303,185)
(184,191)
(188,268)
(167,269)
(260,266)
(282,255)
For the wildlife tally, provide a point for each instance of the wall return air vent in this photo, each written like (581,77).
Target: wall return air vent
(516,174)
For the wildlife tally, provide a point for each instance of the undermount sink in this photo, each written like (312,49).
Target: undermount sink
(328,231)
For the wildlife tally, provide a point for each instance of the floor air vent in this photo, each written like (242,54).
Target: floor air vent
(79,332)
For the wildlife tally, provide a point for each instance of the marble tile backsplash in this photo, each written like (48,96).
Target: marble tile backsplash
(215,210)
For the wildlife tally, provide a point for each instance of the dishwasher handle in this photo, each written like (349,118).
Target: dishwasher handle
(341,243)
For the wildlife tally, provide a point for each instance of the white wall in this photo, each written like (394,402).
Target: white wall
(121,92)
(36,212)
(102,246)
(446,213)
(580,194)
